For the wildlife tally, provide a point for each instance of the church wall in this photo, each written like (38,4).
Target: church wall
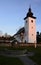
(30,30)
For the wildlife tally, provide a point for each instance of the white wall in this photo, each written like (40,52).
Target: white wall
(29,30)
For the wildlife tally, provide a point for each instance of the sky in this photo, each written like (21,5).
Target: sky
(12,13)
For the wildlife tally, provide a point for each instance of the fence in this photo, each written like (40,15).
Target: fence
(21,44)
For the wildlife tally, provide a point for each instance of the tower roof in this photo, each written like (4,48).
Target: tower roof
(29,14)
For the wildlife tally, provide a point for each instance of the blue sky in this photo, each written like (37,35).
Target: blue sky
(12,13)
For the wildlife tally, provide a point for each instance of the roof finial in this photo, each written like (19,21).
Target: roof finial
(29,8)
(30,13)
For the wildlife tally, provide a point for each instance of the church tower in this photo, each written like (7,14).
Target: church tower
(30,27)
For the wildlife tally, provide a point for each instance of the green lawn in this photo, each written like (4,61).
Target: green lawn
(11,48)
(37,56)
(10,61)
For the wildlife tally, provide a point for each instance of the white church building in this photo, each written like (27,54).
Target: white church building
(30,29)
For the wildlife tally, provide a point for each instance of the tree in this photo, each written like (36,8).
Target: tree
(38,37)
(40,34)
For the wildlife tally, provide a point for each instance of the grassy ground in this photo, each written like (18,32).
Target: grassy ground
(37,56)
(12,48)
(10,61)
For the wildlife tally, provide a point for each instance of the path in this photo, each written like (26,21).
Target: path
(24,57)
(27,61)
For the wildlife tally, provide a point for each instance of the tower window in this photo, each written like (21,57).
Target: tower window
(32,21)
(26,21)
(32,34)
(32,27)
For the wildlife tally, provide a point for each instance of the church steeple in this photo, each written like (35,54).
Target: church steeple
(29,14)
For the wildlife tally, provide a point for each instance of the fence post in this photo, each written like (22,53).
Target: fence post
(35,45)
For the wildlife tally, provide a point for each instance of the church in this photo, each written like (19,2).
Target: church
(27,34)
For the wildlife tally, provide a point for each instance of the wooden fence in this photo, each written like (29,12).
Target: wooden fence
(21,44)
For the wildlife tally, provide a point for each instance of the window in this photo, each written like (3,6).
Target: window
(32,34)
(32,27)
(32,21)
(26,21)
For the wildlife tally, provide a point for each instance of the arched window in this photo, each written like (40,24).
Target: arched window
(32,21)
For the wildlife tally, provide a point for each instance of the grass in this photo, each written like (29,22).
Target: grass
(11,48)
(37,56)
(10,61)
